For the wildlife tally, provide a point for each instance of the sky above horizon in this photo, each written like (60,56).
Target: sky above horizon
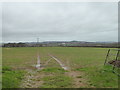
(60,21)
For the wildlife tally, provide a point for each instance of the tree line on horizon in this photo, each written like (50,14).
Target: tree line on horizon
(68,44)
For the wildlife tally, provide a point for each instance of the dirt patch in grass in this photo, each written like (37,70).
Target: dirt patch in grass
(78,79)
(54,78)
(57,81)
(33,79)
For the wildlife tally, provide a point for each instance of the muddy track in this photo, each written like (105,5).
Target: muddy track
(78,80)
(38,62)
(32,79)
(77,76)
(62,65)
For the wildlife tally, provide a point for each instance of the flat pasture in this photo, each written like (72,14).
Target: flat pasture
(85,68)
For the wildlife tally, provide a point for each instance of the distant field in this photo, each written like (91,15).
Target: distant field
(85,64)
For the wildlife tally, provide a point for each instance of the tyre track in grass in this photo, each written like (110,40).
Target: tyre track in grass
(60,63)
(33,78)
(77,76)
(38,62)
(79,81)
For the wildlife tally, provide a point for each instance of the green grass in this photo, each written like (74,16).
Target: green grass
(101,76)
(54,70)
(82,59)
(55,78)
(10,78)
(57,82)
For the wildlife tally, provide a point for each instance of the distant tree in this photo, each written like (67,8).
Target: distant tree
(15,45)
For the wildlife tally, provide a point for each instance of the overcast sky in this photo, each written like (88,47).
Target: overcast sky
(24,22)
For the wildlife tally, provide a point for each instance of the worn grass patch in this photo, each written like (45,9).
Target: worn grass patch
(54,70)
(10,78)
(100,76)
(57,82)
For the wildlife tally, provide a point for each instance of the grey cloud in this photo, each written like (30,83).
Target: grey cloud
(60,21)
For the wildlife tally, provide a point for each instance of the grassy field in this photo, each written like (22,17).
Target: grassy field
(86,69)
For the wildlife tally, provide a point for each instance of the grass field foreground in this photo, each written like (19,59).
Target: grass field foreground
(85,64)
